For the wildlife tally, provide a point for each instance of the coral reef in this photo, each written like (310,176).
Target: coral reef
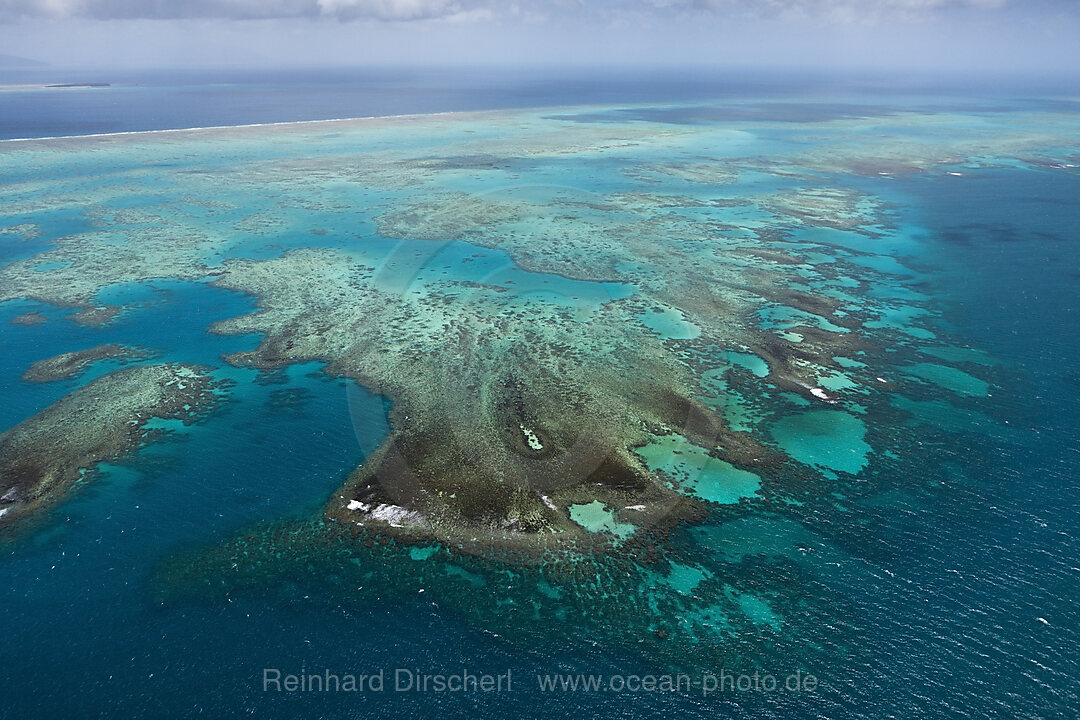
(44,457)
(73,364)
(610,269)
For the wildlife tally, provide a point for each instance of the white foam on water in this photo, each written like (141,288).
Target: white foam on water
(288,123)
(394,515)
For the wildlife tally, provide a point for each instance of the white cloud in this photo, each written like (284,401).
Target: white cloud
(405,10)
(391,10)
(843,10)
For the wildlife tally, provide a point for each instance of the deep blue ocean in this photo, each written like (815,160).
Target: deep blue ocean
(163,99)
(969,610)
(131,100)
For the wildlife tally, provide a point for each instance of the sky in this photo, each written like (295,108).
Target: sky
(1025,35)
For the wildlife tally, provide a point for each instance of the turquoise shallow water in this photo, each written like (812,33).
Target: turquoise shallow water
(704,476)
(827,438)
(917,555)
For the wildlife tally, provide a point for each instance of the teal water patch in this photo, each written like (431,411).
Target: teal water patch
(669,323)
(951,353)
(459,268)
(759,612)
(894,243)
(751,362)
(423,553)
(782,317)
(793,399)
(54,265)
(817,258)
(896,292)
(684,579)
(943,414)
(205,483)
(165,424)
(548,590)
(841,281)
(885,264)
(760,535)
(848,363)
(697,472)
(902,319)
(468,576)
(950,378)
(764,538)
(596,518)
(830,439)
(740,412)
(836,381)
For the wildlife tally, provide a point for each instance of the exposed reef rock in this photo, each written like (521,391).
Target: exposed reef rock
(96,316)
(73,364)
(86,263)
(21,232)
(45,456)
(501,421)
(448,216)
(30,318)
(707,173)
(826,207)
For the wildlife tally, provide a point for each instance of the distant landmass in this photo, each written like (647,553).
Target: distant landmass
(7,61)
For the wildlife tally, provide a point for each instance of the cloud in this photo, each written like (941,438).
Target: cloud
(844,10)
(557,10)
(389,10)
(847,34)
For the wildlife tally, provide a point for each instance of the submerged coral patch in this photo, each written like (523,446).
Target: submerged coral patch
(950,378)
(45,456)
(831,439)
(697,472)
(72,364)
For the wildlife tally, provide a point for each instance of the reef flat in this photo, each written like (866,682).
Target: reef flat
(44,457)
(505,416)
(30,318)
(72,364)
(585,325)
